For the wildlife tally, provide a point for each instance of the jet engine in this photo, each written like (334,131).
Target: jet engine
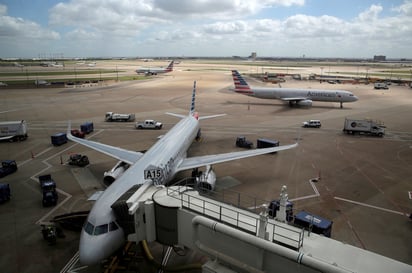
(304,103)
(206,181)
(110,176)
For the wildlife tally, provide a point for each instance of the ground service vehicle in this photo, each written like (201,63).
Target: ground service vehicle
(13,130)
(59,139)
(242,142)
(381,85)
(364,126)
(266,143)
(78,160)
(87,127)
(149,124)
(4,193)
(313,223)
(313,123)
(274,208)
(7,167)
(48,187)
(77,133)
(110,116)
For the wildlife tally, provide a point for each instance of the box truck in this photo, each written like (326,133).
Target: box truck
(13,130)
(364,126)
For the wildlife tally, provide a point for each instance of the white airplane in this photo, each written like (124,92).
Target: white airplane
(302,97)
(155,70)
(101,234)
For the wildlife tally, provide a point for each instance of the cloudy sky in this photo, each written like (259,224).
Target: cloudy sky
(144,28)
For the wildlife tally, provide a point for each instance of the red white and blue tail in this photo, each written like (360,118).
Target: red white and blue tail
(241,85)
(169,68)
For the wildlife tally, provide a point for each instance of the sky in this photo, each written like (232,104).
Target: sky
(205,28)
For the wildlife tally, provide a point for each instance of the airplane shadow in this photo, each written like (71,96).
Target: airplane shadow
(285,107)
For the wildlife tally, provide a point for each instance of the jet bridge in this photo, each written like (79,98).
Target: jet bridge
(237,240)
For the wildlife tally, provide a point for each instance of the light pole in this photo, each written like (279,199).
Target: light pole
(321,74)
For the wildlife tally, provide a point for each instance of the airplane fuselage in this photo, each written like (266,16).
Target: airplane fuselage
(310,94)
(165,155)
(154,70)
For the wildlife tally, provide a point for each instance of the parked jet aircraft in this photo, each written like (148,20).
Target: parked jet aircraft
(155,70)
(302,97)
(102,235)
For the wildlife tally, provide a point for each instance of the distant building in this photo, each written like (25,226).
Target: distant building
(379,58)
(253,56)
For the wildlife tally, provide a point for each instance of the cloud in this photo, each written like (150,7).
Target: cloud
(212,27)
(18,28)
(404,9)
(371,14)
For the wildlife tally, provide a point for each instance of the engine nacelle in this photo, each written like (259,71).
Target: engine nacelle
(207,180)
(110,176)
(304,103)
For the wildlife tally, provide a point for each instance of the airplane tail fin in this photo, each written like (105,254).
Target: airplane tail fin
(169,68)
(192,111)
(240,84)
(192,105)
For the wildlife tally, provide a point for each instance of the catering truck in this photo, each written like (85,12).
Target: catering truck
(13,130)
(364,126)
(110,116)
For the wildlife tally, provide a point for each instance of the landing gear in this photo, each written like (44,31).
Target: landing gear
(198,136)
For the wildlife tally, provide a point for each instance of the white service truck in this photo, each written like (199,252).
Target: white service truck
(381,85)
(364,126)
(149,124)
(13,130)
(110,116)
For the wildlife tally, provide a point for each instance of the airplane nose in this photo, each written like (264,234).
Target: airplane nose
(89,253)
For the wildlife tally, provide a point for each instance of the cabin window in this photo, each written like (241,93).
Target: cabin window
(101,229)
(89,228)
(113,226)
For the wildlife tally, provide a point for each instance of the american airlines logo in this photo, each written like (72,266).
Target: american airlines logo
(320,94)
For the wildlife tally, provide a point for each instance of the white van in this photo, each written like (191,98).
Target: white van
(314,123)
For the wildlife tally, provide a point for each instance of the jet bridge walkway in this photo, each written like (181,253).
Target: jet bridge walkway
(237,240)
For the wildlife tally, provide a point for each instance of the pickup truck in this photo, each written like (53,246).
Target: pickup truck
(149,124)
(241,141)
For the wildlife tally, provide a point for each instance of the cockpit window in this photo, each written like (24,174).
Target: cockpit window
(101,229)
(113,226)
(88,227)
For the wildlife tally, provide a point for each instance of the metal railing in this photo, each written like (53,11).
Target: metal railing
(229,214)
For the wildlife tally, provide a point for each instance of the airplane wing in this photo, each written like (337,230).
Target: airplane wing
(127,156)
(199,161)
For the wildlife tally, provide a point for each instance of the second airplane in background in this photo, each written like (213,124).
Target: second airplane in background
(302,97)
(155,70)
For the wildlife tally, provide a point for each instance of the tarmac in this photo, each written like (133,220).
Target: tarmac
(364,183)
